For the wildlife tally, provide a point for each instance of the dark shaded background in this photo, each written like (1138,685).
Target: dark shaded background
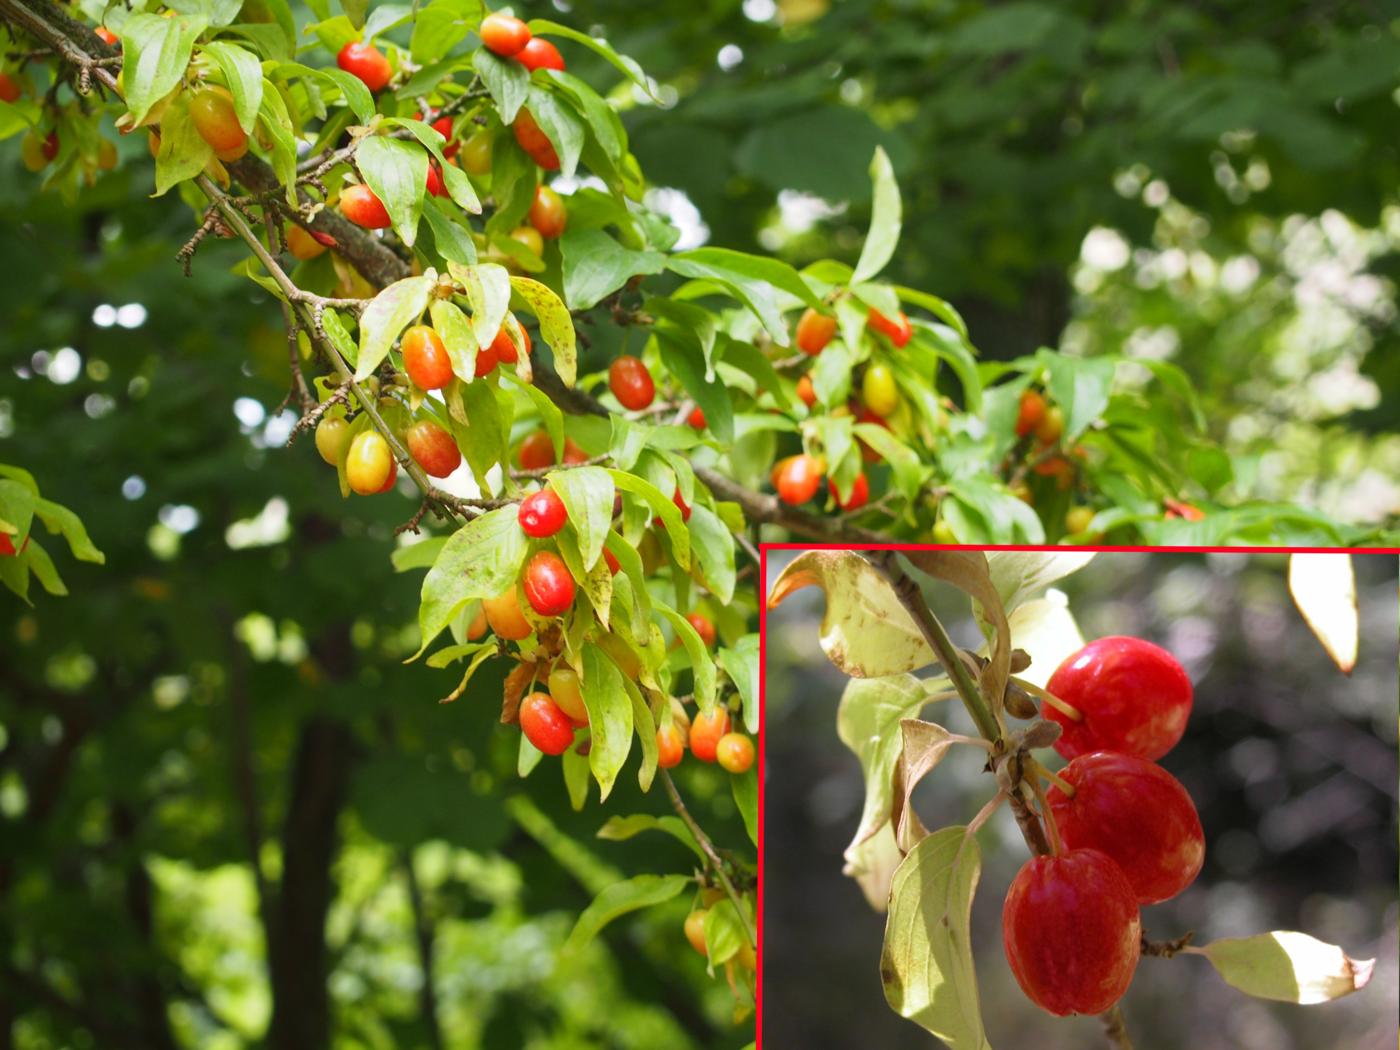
(1291,765)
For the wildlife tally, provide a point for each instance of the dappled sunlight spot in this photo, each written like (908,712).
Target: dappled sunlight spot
(179,517)
(269,526)
(677,206)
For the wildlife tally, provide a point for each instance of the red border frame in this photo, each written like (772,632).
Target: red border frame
(764,548)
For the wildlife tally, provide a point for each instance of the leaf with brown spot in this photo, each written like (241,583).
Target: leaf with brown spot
(924,745)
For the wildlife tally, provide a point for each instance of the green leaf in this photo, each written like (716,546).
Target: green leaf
(664,508)
(356,95)
(1021,575)
(1288,966)
(442,25)
(700,660)
(41,565)
(601,118)
(867,722)
(745,790)
(619,829)
(478,425)
(628,67)
(155,53)
(183,152)
(482,559)
(60,519)
(556,325)
(419,555)
(1080,387)
(713,544)
(587,493)
(880,242)
(458,186)
(609,715)
(595,266)
(397,172)
(741,664)
(488,292)
(561,125)
(507,81)
(575,777)
(550,415)
(243,72)
(388,314)
(926,963)
(640,891)
(453,241)
(455,330)
(746,267)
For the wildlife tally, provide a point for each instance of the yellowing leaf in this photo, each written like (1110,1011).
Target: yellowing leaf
(926,964)
(923,745)
(391,311)
(1324,589)
(1047,631)
(866,631)
(1288,966)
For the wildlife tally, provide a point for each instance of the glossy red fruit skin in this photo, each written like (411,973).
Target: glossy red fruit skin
(542,514)
(506,351)
(860,494)
(1030,412)
(366,62)
(540,54)
(705,732)
(806,391)
(631,383)
(670,746)
(434,182)
(614,566)
(7,546)
(433,448)
(703,627)
(485,360)
(536,451)
(1139,815)
(547,213)
(534,141)
(898,331)
(425,358)
(359,204)
(548,586)
(799,479)
(696,418)
(504,34)
(545,724)
(814,331)
(681,504)
(573,454)
(1071,932)
(1134,697)
(108,37)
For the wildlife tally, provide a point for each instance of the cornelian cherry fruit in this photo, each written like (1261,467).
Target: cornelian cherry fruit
(434,183)
(7,546)
(106,35)
(878,390)
(859,497)
(670,746)
(703,627)
(302,243)
(564,686)
(506,351)
(369,465)
(696,418)
(331,435)
(547,213)
(505,616)
(213,116)
(631,382)
(814,331)
(540,54)
(545,724)
(695,930)
(706,730)
(1071,931)
(899,331)
(806,391)
(425,358)
(573,454)
(504,34)
(798,478)
(1130,695)
(1030,412)
(734,752)
(433,448)
(536,451)
(1051,426)
(359,204)
(9,88)
(476,153)
(1138,814)
(477,628)
(486,360)
(367,62)
(548,586)
(542,514)
(534,141)
(681,504)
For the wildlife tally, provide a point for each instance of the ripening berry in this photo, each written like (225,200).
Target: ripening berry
(505,616)
(529,237)
(695,930)
(1131,696)
(1030,412)
(35,152)
(798,478)
(545,724)
(213,116)
(433,448)
(547,213)
(568,694)
(434,183)
(814,331)
(506,351)
(477,628)
(302,243)
(359,204)
(1051,426)
(540,54)
(614,566)
(367,62)
(534,141)
(542,514)
(476,154)
(9,88)
(696,419)
(1071,932)
(703,627)
(806,391)
(860,495)
(631,383)
(443,126)
(504,34)
(1078,519)
(898,331)
(878,390)
(549,587)
(574,455)
(107,36)
(536,451)
(670,746)
(369,465)
(331,435)
(425,358)
(486,360)
(681,504)
(734,752)
(706,730)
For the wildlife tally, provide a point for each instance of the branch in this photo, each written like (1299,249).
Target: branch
(711,855)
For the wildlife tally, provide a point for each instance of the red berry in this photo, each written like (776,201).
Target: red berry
(540,54)
(1071,931)
(1177,509)
(433,448)
(213,116)
(545,724)
(536,451)
(1030,413)
(798,478)
(506,352)
(1138,814)
(359,204)
(734,752)
(814,331)
(366,62)
(696,418)
(504,34)
(1132,695)
(613,564)
(434,182)
(670,746)
(573,455)
(806,391)
(548,586)
(505,617)
(899,331)
(631,383)
(106,35)
(534,141)
(704,628)
(859,497)
(706,731)
(443,126)
(51,145)
(547,212)
(542,513)
(425,358)
(7,546)
(369,465)
(681,504)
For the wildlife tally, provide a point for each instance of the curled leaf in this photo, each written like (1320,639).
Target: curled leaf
(924,745)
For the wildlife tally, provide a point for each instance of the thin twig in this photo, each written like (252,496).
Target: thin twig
(708,848)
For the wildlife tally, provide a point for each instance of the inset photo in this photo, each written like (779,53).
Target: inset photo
(1069,799)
